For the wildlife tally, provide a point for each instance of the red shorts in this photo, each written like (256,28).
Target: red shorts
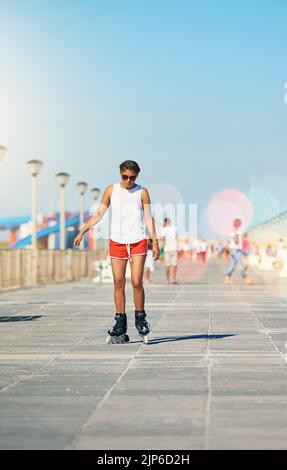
(125,250)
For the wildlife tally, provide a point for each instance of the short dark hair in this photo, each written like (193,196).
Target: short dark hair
(130,165)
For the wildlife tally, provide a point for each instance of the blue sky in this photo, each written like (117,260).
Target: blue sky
(193,91)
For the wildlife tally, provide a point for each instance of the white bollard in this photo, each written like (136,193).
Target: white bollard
(105,269)
(283,272)
(98,268)
(97,279)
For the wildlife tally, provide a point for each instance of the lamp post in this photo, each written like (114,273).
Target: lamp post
(35,167)
(81,187)
(62,179)
(3,152)
(95,194)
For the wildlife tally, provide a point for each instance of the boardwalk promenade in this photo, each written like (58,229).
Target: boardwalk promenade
(213,376)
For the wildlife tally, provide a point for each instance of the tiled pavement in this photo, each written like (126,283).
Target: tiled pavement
(213,376)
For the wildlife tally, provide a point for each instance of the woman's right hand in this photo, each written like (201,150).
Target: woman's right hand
(78,239)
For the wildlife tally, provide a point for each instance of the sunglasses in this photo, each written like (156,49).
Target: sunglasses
(131,178)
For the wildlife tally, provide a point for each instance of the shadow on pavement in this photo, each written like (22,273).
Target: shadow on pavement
(19,318)
(168,339)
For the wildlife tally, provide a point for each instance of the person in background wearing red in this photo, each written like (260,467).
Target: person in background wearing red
(245,250)
(203,250)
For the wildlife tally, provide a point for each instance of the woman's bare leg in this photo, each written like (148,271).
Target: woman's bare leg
(137,269)
(119,274)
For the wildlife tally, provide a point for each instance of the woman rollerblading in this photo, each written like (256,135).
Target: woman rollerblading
(128,241)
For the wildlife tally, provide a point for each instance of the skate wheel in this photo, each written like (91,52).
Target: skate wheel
(145,339)
(108,340)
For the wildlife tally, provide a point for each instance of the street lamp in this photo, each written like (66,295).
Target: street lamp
(62,179)
(35,167)
(81,187)
(3,151)
(95,194)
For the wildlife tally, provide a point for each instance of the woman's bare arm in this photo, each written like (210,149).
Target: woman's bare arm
(94,219)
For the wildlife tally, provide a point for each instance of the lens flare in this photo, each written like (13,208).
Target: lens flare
(224,207)
(164,193)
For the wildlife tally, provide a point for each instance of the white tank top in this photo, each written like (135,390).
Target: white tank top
(127,217)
